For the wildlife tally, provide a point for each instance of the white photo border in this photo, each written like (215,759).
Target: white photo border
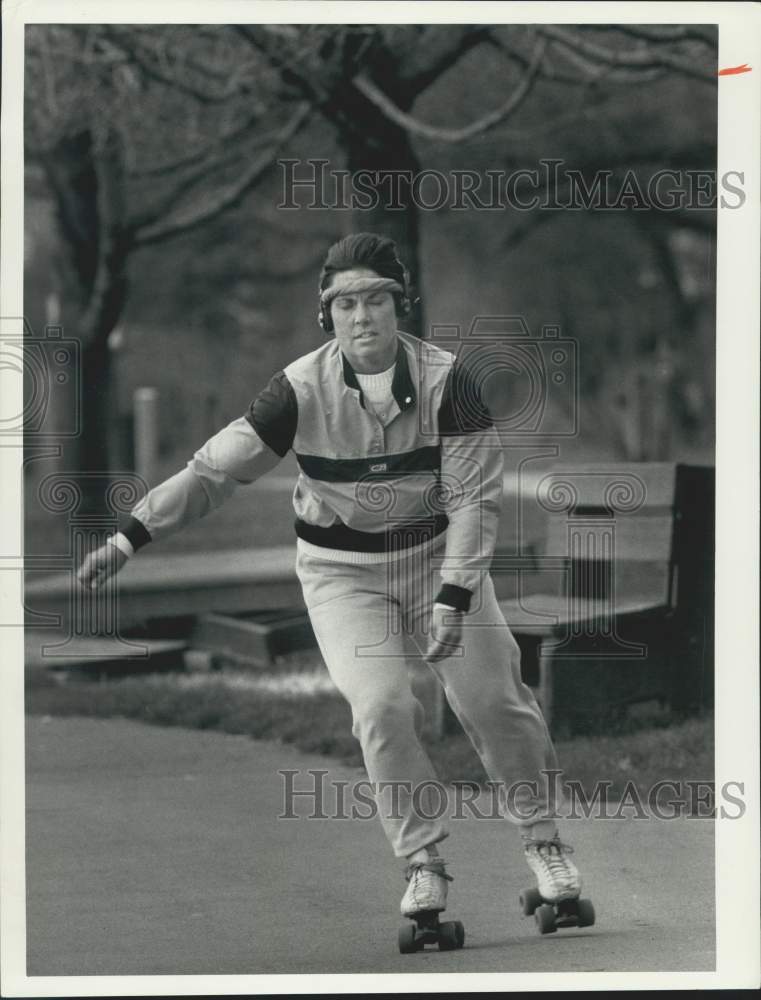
(737,336)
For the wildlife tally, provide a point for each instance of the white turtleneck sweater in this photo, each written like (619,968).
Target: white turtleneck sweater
(376,390)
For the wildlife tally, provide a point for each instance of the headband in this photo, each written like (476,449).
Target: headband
(345,286)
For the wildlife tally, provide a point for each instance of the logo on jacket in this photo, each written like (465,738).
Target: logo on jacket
(380,467)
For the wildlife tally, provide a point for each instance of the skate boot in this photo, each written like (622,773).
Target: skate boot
(425,898)
(557,876)
(555,901)
(427,889)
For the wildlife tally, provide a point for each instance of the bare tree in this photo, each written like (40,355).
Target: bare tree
(140,136)
(366,80)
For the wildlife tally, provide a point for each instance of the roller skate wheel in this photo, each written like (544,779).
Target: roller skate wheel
(447,936)
(586,913)
(407,943)
(460,933)
(530,900)
(545,919)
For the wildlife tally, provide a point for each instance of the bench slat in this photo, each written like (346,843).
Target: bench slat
(545,614)
(637,539)
(656,482)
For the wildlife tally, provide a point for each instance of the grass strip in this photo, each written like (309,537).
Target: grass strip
(316,719)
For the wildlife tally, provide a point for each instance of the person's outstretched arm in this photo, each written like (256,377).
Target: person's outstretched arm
(238,454)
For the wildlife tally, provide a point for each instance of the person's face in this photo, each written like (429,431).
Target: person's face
(365,326)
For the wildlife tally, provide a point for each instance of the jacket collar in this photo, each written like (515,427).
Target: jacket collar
(402,388)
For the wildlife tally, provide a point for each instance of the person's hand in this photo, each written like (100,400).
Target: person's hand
(99,565)
(446,638)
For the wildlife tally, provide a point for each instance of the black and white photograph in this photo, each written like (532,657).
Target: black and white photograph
(379,428)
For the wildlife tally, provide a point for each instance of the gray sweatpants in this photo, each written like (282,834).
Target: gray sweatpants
(370,618)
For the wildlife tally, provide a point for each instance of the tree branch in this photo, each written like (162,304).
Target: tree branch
(172,166)
(170,202)
(208,166)
(664,33)
(226,198)
(703,220)
(429,60)
(259,36)
(595,72)
(546,71)
(422,129)
(590,71)
(641,59)
(173,81)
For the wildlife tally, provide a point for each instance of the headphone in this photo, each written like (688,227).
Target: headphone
(401,301)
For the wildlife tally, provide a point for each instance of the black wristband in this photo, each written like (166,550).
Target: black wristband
(136,533)
(456,597)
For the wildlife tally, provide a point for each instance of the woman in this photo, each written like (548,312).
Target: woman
(397,500)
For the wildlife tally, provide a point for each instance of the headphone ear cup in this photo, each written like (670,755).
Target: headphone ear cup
(325,320)
(403,304)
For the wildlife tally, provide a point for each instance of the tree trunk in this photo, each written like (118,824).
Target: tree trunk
(385,148)
(97,407)
(87,178)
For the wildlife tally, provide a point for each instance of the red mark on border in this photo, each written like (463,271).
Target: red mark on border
(732,70)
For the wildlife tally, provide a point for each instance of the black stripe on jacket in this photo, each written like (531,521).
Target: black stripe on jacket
(354,470)
(393,539)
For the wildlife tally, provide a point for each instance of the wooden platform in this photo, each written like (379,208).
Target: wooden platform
(152,586)
(99,657)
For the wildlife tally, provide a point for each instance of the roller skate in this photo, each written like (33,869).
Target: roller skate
(555,902)
(425,898)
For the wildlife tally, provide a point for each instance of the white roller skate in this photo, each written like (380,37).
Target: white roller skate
(427,889)
(425,898)
(555,901)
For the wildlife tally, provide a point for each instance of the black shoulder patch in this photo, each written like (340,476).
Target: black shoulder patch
(462,409)
(274,414)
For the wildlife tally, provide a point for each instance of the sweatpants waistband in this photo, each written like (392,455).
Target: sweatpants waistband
(394,537)
(363,558)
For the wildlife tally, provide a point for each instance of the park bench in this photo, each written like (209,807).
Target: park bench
(615,606)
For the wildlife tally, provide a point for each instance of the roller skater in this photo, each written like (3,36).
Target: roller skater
(375,412)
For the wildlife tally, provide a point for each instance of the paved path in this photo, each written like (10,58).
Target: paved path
(159,851)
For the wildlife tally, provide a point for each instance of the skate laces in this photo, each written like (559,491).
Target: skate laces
(552,854)
(435,865)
